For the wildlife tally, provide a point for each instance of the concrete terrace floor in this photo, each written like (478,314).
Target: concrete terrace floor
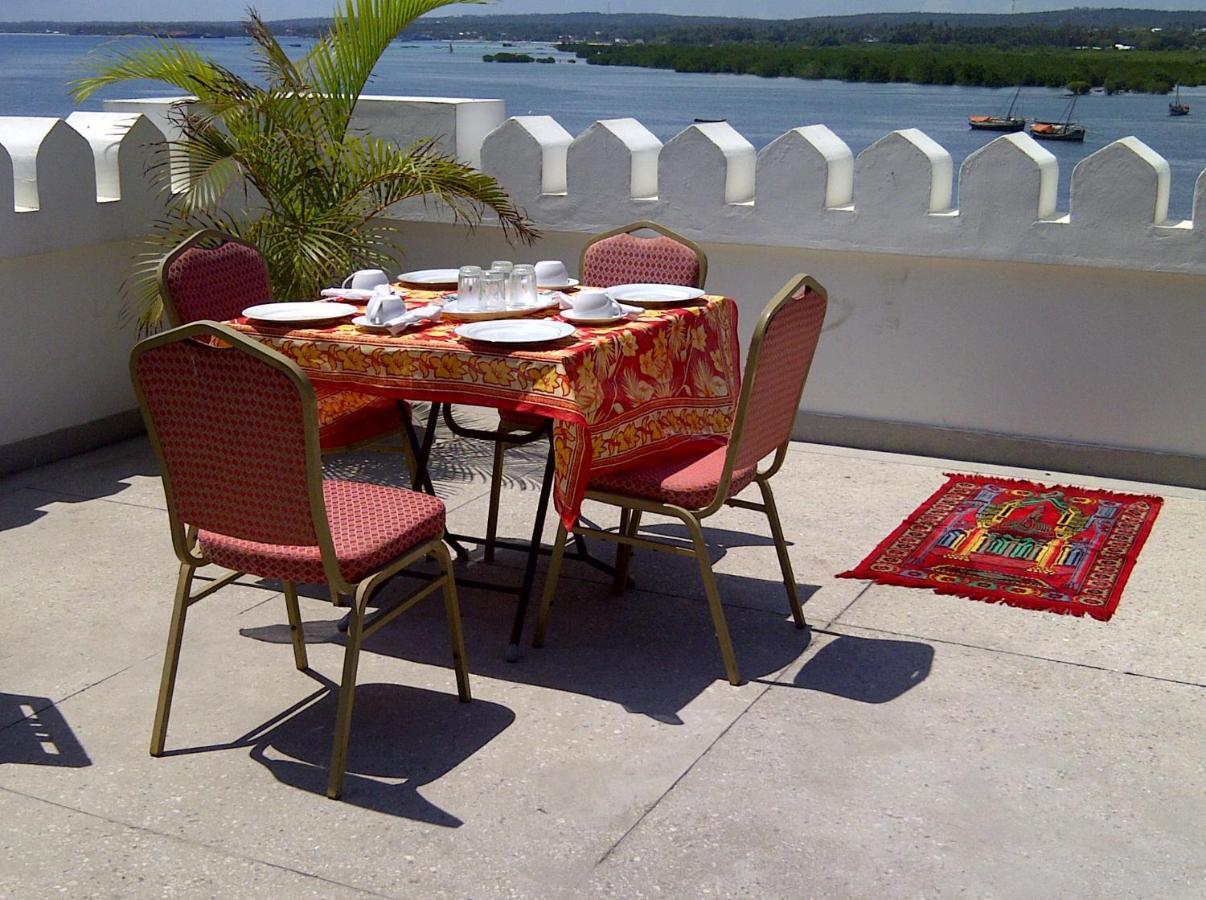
(919,745)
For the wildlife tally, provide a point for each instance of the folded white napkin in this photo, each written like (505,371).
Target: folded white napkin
(399,324)
(359,294)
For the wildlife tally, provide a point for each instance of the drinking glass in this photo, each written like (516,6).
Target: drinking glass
(469,287)
(523,287)
(494,290)
(505,266)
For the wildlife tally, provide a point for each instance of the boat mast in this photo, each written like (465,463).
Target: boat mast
(1013,102)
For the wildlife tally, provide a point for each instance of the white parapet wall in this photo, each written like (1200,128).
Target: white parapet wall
(1002,327)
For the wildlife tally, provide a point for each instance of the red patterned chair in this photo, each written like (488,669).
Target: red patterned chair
(213,275)
(620,257)
(614,257)
(699,483)
(235,427)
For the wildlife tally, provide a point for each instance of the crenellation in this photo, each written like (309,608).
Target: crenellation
(707,165)
(1122,187)
(53,168)
(1199,204)
(528,155)
(903,177)
(124,147)
(804,189)
(1008,185)
(803,172)
(614,160)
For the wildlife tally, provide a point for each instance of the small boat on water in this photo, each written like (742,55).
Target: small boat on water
(1007,122)
(1067,130)
(1177,108)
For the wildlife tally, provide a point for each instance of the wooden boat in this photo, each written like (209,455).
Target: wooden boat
(1067,130)
(1177,108)
(1007,122)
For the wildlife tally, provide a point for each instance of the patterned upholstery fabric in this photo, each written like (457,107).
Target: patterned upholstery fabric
(217,283)
(233,437)
(370,526)
(778,375)
(689,481)
(626,259)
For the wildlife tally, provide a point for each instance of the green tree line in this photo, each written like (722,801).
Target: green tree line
(1114,70)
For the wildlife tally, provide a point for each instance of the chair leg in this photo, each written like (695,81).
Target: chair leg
(495,497)
(296,634)
(789,577)
(455,633)
(347,690)
(550,585)
(630,521)
(719,623)
(171,659)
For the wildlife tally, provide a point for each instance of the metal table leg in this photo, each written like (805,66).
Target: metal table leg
(529,570)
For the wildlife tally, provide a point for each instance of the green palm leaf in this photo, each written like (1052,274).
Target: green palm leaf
(313,198)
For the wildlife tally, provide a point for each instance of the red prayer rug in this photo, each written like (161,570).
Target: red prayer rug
(1062,549)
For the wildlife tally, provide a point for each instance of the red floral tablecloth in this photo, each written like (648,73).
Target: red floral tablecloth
(619,395)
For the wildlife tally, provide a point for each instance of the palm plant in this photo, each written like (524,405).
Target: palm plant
(310,194)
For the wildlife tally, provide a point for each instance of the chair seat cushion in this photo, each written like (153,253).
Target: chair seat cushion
(689,480)
(370,526)
(350,417)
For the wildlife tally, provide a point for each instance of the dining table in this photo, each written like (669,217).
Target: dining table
(618,396)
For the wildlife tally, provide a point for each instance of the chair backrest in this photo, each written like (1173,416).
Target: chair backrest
(234,425)
(212,275)
(620,257)
(776,368)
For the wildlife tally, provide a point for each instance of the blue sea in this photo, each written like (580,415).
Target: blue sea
(34,70)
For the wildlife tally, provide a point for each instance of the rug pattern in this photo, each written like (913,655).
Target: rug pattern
(1057,548)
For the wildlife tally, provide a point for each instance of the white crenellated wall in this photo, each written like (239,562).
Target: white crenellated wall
(1004,328)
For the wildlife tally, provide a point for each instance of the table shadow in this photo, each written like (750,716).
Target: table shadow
(37,734)
(650,653)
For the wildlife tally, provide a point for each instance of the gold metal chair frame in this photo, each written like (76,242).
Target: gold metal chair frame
(648,225)
(360,627)
(631,509)
(211,237)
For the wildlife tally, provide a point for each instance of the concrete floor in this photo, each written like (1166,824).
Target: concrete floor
(919,745)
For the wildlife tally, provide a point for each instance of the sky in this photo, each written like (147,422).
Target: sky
(229,10)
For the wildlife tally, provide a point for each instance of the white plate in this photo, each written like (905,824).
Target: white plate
(301,311)
(654,294)
(625,311)
(569,283)
(430,278)
(544,301)
(516,331)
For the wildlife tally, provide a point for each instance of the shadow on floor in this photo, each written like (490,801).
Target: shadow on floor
(455,461)
(89,476)
(402,738)
(652,654)
(38,734)
(869,670)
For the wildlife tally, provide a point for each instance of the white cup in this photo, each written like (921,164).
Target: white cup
(551,272)
(366,279)
(594,304)
(383,306)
